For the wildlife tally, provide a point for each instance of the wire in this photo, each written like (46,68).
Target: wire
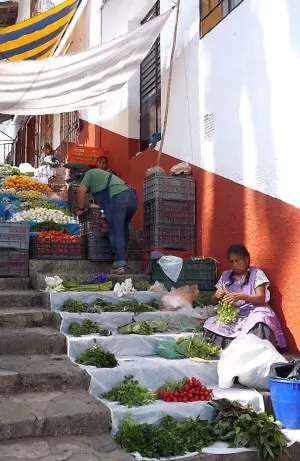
(169,84)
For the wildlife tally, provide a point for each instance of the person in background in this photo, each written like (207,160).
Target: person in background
(50,155)
(102,163)
(119,203)
(248,288)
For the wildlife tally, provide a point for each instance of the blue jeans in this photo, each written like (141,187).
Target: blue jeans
(119,211)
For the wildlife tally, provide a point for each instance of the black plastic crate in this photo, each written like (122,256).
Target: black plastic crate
(158,186)
(98,248)
(169,212)
(170,236)
(51,249)
(202,272)
(72,198)
(92,221)
(14,263)
(14,235)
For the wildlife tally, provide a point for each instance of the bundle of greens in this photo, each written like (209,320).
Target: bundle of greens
(144,327)
(227,312)
(99,305)
(75,285)
(74,306)
(87,327)
(97,357)
(197,346)
(243,427)
(166,439)
(130,393)
(142,285)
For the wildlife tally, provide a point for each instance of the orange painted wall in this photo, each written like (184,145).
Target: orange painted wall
(226,213)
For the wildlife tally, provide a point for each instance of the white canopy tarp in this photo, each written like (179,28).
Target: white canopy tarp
(76,81)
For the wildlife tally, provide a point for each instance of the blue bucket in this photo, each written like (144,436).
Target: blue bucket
(285,396)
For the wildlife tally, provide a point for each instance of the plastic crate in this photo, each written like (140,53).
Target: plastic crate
(98,248)
(14,263)
(170,236)
(184,254)
(169,211)
(92,221)
(194,272)
(158,186)
(50,249)
(72,198)
(14,235)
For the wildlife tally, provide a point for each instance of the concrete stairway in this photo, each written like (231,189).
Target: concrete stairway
(42,394)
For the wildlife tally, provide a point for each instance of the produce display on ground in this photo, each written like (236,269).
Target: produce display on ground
(130,393)
(87,327)
(184,390)
(101,305)
(97,357)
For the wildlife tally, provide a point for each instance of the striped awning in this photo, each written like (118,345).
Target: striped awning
(36,38)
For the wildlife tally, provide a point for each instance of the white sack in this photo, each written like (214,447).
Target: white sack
(76,81)
(248,358)
(172,266)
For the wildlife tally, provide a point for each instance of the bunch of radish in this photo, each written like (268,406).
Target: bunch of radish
(185,390)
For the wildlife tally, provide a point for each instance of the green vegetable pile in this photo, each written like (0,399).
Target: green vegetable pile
(243,427)
(144,327)
(100,305)
(227,312)
(87,327)
(237,425)
(142,285)
(46,225)
(130,393)
(202,300)
(197,346)
(168,438)
(75,285)
(97,357)
(40,203)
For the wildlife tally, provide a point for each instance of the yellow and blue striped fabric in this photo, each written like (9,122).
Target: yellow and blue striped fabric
(37,37)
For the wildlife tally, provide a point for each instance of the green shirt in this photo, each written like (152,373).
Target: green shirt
(96,179)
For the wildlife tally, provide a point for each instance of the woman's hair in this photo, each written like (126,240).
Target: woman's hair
(102,157)
(46,145)
(240,250)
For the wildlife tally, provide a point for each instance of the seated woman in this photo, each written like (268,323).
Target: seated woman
(248,288)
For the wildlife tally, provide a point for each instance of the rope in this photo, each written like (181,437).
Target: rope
(169,84)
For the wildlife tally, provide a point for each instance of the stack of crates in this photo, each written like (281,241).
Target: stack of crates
(14,249)
(169,212)
(94,231)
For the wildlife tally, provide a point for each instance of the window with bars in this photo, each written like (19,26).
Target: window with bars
(150,88)
(69,131)
(213,11)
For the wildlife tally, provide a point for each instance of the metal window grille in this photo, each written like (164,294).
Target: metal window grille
(150,88)
(213,11)
(69,131)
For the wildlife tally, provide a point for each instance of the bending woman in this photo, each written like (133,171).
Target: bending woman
(248,288)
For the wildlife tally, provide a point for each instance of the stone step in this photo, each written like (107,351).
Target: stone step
(41,414)
(40,283)
(73,448)
(41,340)
(29,373)
(15,283)
(20,298)
(26,317)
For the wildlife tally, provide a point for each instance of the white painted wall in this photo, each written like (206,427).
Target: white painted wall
(246,72)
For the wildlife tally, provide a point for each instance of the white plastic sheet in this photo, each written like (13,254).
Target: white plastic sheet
(57,299)
(153,413)
(171,265)
(120,345)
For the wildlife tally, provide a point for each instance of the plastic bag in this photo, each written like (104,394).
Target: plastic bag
(181,168)
(179,299)
(157,287)
(167,349)
(249,359)
(289,371)
(172,266)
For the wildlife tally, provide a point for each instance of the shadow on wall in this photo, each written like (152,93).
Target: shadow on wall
(232,213)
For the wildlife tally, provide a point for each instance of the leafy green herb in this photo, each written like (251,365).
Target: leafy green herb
(97,357)
(197,346)
(202,300)
(130,393)
(144,327)
(243,427)
(142,285)
(168,438)
(227,312)
(46,225)
(87,327)
(74,306)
